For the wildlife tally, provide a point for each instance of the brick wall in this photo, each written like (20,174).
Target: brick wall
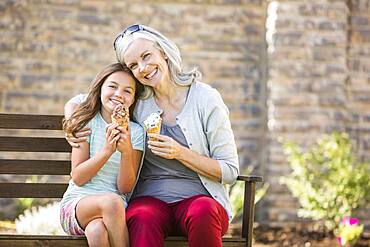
(50,50)
(358,90)
(318,81)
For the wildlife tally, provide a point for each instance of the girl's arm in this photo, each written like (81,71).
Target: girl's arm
(130,162)
(85,168)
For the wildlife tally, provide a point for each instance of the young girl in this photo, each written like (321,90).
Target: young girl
(105,167)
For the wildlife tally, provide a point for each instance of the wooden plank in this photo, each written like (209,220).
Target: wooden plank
(33,144)
(32,190)
(28,121)
(47,241)
(74,241)
(182,242)
(44,243)
(36,167)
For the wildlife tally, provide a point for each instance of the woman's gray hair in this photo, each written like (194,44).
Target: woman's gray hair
(180,77)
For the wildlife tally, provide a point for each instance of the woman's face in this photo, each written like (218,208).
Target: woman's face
(147,63)
(118,88)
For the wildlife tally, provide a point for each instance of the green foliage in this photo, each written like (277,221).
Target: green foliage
(23,204)
(26,203)
(236,193)
(327,180)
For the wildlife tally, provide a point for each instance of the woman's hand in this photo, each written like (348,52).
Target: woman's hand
(112,135)
(81,136)
(165,147)
(124,143)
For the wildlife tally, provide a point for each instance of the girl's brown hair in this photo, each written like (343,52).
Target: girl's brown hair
(88,109)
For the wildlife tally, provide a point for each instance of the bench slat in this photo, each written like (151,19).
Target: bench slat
(43,242)
(33,144)
(32,190)
(36,167)
(28,121)
(59,241)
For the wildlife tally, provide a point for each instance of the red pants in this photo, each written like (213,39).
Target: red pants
(199,218)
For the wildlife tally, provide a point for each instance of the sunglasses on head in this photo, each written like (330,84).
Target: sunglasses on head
(128,31)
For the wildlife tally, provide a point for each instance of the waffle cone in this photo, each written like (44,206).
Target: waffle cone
(120,121)
(155,130)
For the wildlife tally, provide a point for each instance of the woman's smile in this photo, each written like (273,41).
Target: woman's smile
(152,74)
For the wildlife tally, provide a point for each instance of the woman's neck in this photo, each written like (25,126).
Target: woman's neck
(170,93)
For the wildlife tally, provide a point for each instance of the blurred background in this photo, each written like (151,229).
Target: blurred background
(287,69)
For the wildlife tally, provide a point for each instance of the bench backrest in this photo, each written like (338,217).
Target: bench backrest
(38,145)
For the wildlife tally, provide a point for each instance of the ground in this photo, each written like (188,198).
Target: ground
(300,235)
(270,236)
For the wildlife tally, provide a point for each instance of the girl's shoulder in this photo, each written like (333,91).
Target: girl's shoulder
(135,128)
(97,123)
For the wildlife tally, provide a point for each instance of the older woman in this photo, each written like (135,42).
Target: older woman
(180,190)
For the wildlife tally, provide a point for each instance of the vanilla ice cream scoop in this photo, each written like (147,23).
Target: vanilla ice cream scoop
(153,121)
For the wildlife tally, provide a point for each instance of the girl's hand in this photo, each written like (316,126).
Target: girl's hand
(124,143)
(81,136)
(165,147)
(111,138)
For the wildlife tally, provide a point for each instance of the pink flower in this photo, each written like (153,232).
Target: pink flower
(349,231)
(348,221)
(340,241)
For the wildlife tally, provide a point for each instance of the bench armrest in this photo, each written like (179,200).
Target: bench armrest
(250,178)
(248,205)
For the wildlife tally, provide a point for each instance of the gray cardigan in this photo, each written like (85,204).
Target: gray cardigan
(205,123)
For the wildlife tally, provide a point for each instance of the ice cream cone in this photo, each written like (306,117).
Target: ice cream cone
(153,125)
(121,116)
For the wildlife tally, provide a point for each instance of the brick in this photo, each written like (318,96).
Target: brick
(360,36)
(35,81)
(91,19)
(360,6)
(360,21)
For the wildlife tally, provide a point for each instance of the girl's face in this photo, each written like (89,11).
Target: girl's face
(118,88)
(147,62)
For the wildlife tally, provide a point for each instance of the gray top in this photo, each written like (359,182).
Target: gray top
(168,179)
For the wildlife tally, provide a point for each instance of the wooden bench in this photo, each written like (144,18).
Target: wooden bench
(36,166)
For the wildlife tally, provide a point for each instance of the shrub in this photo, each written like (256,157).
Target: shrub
(40,220)
(327,180)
